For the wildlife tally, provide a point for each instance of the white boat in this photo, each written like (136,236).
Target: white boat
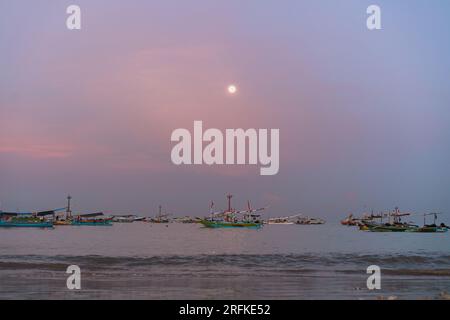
(124,219)
(280,220)
(309,221)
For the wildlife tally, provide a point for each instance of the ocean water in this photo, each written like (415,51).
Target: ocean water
(186,261)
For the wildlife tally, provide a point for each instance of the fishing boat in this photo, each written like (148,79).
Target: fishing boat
(91,219)
(387,228)
(229,218)
(279,220)
(351,221)
(25,220)
(62,222)
(229,224)
(25,223)
(394,223)
(160,217)
(370,220)
(309,221)
(124,219)
(186,219)
(431,228)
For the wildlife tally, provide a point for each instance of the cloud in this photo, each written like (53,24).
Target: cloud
(42,151)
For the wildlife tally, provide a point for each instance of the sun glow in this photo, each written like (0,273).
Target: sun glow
(232,89)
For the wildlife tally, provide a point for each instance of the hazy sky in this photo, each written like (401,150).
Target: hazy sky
(364,116)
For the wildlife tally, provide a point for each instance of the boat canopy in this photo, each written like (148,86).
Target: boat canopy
(12,214)
(45,213)
(89,215)
(38,213)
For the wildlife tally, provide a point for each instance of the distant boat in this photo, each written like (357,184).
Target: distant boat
(91,219)
(25,220)
(291,220)
(229,218)
(124,219)
(229,224)
(186,219)
(62,222)
(387,228)
(351,221)
(431,228)
(160,217)
(280,220)
(394,223)
(25,224)
(309,221)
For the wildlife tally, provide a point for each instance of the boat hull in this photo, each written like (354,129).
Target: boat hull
(62,223)
(383,229)
(6,224)
(224,224)
(430,230)
(282,223)
(93,224)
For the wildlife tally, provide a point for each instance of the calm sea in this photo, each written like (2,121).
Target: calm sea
(187,261)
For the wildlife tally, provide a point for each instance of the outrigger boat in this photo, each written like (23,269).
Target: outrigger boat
(160,217)
(279,220)
(19,223)
(431,228)
(394,223)
(291,220)
(309,221)
(124,219)
(351,221)
(26,219)
(370,220)
(187,219)
(91,219)
(229,217)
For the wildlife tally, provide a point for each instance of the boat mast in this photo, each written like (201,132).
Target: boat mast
(68,210)
(228,216)
(229,196)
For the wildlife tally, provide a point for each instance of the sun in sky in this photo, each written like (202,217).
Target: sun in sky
(232,89)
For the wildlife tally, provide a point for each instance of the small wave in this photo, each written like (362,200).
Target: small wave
(285,262)
(418,272)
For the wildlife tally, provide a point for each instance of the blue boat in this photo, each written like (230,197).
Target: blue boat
(25,224)
(26,219)
(92,223)
(91,219)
